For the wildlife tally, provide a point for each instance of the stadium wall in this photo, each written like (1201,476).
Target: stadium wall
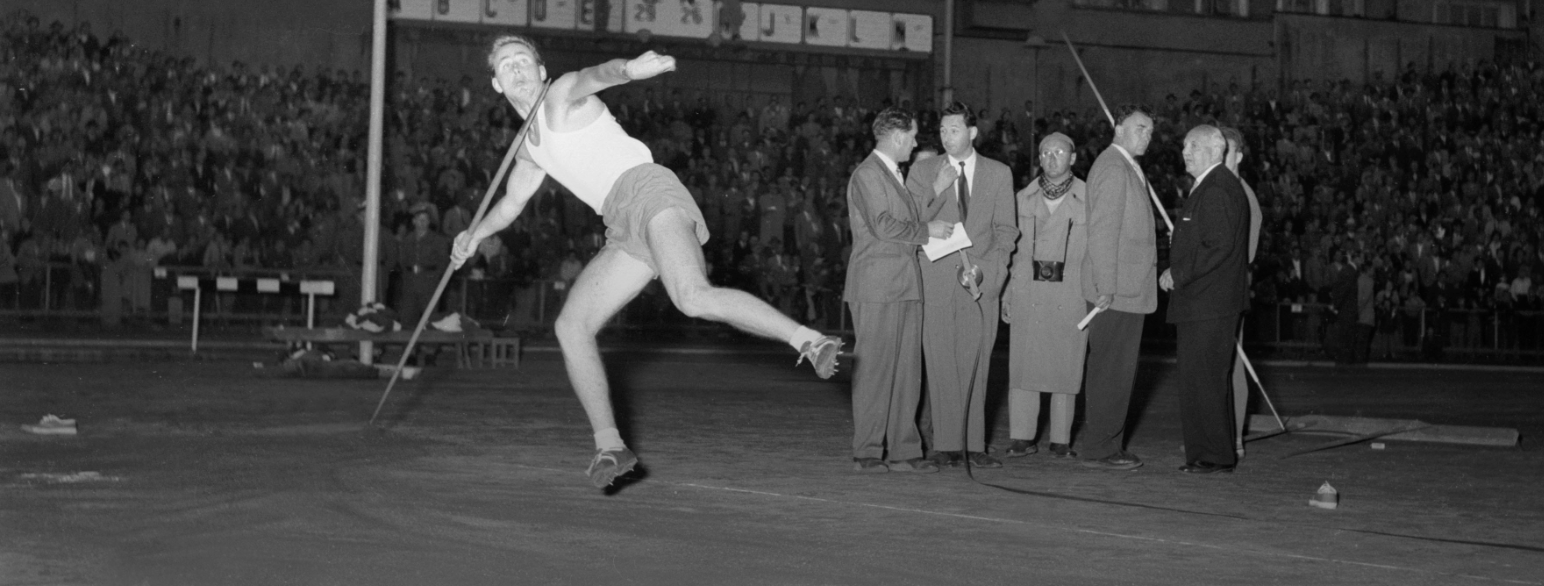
(1144,56)
(1132,55)
(1320,47)
(314,33)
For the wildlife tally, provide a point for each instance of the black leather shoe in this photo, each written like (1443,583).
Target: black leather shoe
(1062,451)
(1121,460)
(984,460)
(869,466)
(917,465)
(948,459)
(1206,468)
(1021,448)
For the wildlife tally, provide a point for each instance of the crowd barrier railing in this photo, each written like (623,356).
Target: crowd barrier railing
(115,292)
(1417,333)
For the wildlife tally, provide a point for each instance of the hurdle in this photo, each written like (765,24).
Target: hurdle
(310,288)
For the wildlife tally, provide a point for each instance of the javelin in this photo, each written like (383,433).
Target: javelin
(1113,123)
(482,208)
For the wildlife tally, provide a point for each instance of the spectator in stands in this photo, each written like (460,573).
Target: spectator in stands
(421,256)
(9,280)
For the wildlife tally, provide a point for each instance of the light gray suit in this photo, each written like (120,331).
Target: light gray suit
(958,332)
(884,289)
(1122,261)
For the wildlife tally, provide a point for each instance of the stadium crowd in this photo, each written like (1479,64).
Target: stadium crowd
(115,159)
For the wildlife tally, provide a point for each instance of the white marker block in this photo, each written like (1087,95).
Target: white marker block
(267,285)
(225,283)
(186,282)
(316,287)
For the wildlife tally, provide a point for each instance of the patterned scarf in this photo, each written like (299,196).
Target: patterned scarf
(1054,192)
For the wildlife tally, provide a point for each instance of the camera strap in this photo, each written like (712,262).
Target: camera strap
(1067,243)
(1034,245)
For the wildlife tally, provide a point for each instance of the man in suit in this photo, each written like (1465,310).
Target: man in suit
(1240,381)
(959,326)
(1120,278)
(884,289)
(1208,277)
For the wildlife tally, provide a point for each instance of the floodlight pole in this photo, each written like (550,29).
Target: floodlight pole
(948,90)
(368,276)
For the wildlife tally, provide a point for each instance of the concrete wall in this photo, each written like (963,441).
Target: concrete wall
(1133,57)
(1136,56)
(1317,47)
(324,33)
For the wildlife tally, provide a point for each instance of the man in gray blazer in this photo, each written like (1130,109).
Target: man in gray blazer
(1120,277)
(884,289)
(959,327)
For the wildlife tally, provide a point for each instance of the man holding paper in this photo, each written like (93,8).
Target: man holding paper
(960,291)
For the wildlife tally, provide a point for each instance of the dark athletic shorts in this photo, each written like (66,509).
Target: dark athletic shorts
(641,193)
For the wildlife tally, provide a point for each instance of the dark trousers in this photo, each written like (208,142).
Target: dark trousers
(416,291)
(1114,342)
(1361,343)
(957,353)
(1205,349)
(887,380)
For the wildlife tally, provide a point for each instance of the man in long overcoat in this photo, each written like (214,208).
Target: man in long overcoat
(1044,302)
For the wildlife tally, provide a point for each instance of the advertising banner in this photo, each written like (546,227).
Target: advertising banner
(826,27)
(505,12)
(557,14)
(780,23)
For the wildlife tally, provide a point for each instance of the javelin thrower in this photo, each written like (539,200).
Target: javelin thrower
(653,227)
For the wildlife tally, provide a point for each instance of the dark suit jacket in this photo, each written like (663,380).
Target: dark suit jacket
(1209,258)
(992,226)
(886,231)
(1122,257)
(13,205)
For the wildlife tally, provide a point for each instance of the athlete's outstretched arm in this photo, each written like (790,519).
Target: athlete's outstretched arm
(589,81)
(524,180)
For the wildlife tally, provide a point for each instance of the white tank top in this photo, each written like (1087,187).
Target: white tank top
(588,161)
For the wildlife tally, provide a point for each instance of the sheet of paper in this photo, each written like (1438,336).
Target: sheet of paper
(937,248)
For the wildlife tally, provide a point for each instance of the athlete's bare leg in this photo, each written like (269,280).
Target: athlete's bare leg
(606,285)
(673,241)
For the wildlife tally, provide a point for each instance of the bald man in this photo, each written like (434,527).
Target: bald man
(1208,282)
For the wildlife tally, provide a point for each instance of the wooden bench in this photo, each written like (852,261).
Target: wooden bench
(474,349)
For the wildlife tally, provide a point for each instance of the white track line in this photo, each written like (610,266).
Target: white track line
(1096,532)
(1061,528)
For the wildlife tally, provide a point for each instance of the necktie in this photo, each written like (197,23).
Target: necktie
(964,193)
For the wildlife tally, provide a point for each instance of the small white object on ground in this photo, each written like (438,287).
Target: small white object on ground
(1378,445)
(51,425)
(87,476)
(1326,498)
(408,372)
